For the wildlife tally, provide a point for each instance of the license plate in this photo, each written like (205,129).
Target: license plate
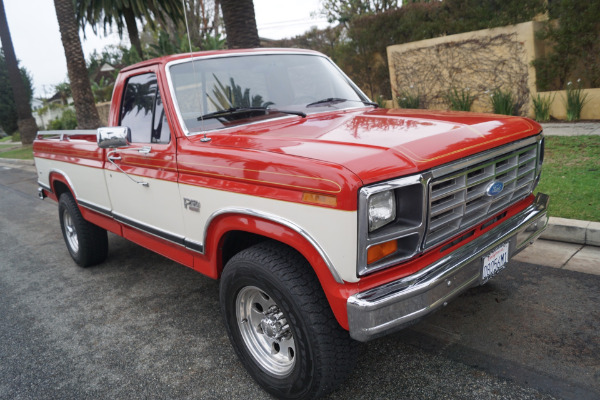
(494,262)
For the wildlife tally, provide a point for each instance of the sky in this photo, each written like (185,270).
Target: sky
(37,43)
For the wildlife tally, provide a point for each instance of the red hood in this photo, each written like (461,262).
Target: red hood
(381,144)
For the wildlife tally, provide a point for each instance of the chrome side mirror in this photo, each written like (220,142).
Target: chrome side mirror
(113,137)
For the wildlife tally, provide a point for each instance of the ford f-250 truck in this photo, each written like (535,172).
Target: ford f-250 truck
(327,220)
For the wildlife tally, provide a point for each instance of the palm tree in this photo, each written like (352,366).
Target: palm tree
(203,19)
(25,121)
(63,90)
(85,108)
(240,24)
(125,13)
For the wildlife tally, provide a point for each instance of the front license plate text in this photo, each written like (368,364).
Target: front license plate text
(494,262)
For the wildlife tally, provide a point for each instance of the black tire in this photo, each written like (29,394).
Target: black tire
(86,242)
(316,353)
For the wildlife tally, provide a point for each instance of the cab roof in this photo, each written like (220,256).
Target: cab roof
(200,54)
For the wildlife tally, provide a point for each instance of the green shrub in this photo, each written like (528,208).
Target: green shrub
(66,121)
(503,102)
(460,100)
(575,101)
(381,102)
(409,99)
(541,107)
(16,137)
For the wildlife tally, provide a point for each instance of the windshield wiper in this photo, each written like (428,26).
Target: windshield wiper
(331,100)
(240,110)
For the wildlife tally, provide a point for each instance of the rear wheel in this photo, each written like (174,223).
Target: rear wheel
(280,323)
(86,242)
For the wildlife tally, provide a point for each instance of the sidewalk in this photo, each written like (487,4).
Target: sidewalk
(562,255)
(566,244)
(571,128)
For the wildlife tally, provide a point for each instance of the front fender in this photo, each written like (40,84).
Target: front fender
(285,232)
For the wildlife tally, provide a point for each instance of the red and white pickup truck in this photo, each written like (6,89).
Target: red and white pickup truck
(326,219)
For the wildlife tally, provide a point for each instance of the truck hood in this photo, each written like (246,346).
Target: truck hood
(380,144)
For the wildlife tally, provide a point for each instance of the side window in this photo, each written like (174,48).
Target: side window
(142,111)
(160,126)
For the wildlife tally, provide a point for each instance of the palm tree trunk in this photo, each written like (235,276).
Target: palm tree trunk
(85,108)
(240,24)
(25,121)
(216,21)
(132,31)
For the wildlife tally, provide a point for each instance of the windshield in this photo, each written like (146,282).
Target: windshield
(287,82)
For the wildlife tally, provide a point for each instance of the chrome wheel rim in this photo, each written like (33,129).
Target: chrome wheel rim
(265,331)
(70,232)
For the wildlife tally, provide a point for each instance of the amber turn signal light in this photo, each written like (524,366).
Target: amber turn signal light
(319,199)
(379,251)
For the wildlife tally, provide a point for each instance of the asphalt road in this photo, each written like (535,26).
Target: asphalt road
(142,327)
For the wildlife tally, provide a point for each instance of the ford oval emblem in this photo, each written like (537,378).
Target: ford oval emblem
(494,188)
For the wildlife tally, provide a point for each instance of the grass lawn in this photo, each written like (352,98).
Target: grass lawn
(21,153)
(6,139)
(571,176)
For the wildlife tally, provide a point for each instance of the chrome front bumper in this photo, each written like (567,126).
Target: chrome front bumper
(396,305)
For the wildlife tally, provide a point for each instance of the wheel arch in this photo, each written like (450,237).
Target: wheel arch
(228,232)
(273,225)
(59,183)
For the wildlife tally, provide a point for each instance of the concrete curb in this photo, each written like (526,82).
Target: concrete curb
(17,162)
(572,231)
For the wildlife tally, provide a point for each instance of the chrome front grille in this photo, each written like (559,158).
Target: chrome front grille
(459,200)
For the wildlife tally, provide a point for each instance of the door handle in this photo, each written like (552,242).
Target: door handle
(112,157)
(145,150)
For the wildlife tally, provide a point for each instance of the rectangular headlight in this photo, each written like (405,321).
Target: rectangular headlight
(391,222)
(382,209)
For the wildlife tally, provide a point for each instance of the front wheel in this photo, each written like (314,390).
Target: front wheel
(86,242)
(280,323)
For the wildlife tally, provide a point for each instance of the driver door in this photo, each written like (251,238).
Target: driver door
(146,196)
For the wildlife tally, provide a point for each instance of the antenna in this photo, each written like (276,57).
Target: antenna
(187,27)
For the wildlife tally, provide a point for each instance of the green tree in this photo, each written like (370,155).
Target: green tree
(343,11)
(66,121)
(240,24)
(116,56)
(174,44)
(213,42)
(204,19)
(85,108)
(25,121)
(102,89)
(125,14)
(327,41)
(574,35)
(63,90)
(204,24)
(170,44)
(8,110)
